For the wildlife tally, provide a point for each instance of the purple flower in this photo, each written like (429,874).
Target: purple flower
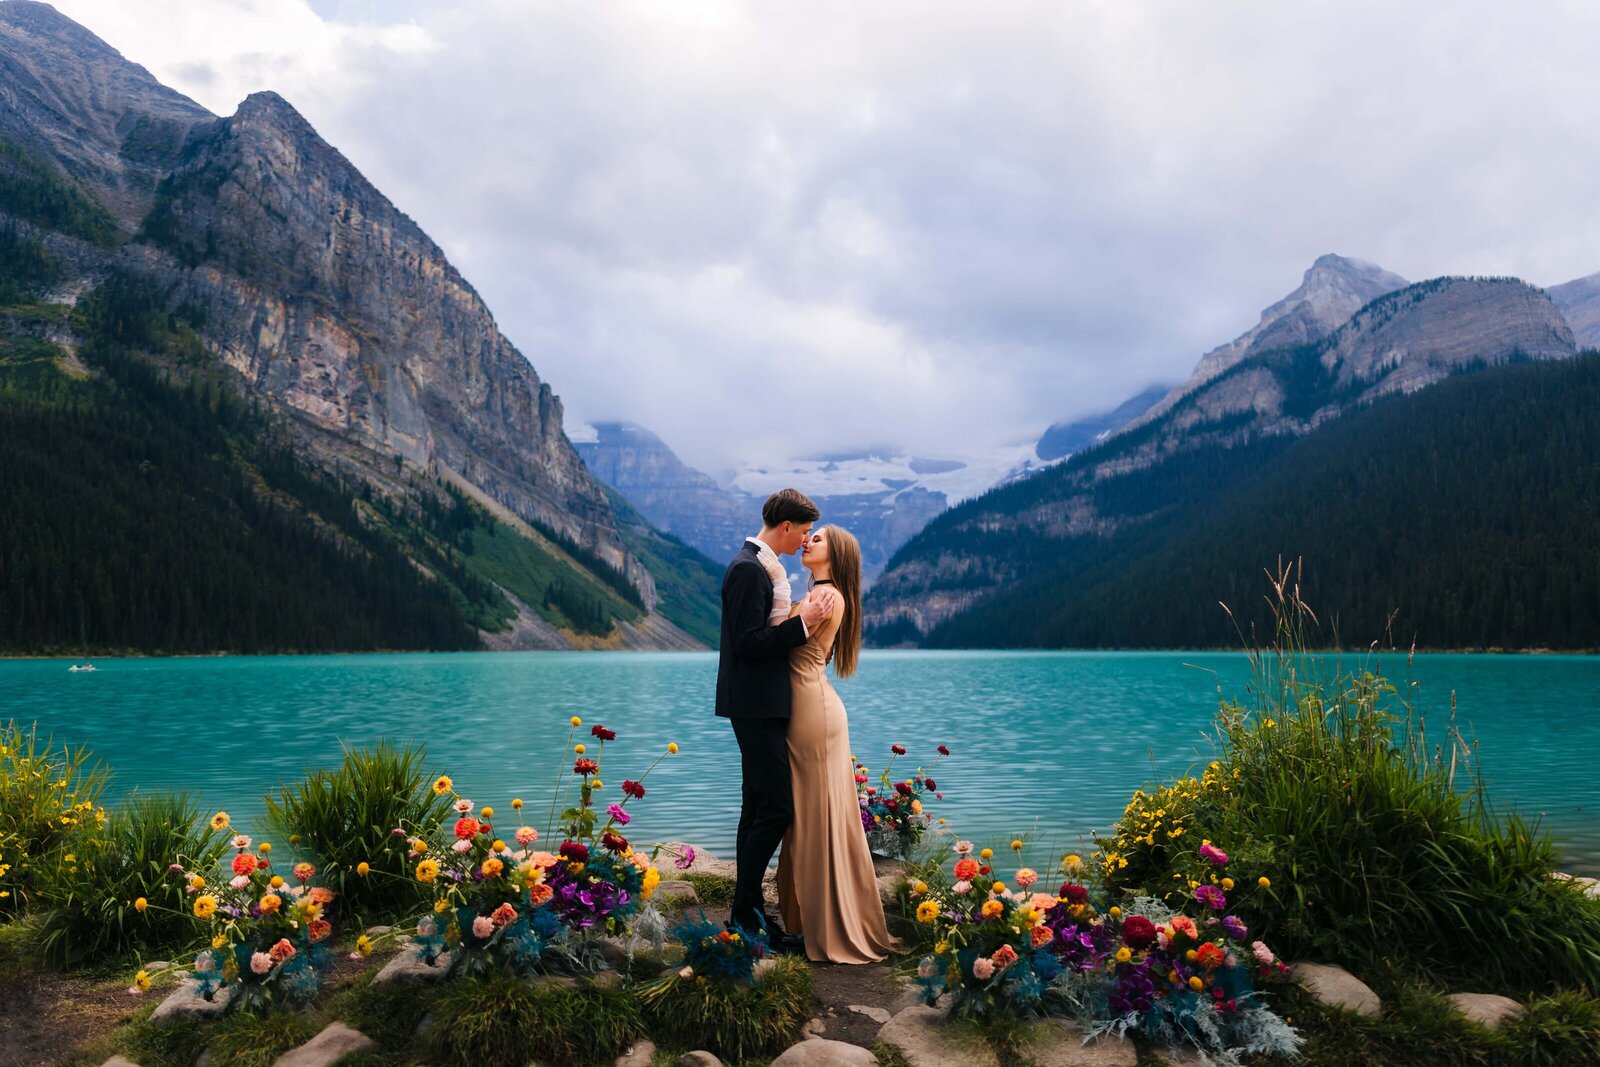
(1235,928)
(616,812)
(686,860)
(1213,854)
(1211,897)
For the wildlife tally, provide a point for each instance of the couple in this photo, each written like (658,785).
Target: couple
(794,740)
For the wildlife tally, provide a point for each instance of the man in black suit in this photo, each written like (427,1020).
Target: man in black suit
(753,692)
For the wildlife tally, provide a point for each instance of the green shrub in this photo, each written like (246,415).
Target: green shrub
(1379,849)
(346,816)
(85,907)
(506,1022)
(735,1022)
(49,797)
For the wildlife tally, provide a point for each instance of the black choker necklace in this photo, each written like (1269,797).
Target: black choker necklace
(823,581)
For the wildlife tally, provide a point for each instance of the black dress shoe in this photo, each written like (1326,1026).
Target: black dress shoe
(787,944)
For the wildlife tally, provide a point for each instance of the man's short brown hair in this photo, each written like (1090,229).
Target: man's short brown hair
(788,505)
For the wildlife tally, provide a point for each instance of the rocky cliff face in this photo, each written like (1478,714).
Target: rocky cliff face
(1400,342)
(1332,290)
(1579,301)
(325,299)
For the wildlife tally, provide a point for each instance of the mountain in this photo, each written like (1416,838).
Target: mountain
(1457,512)
(881,498)
(332,312)
(1065,438)
(1332,290)
(1397,343)
(1579,302)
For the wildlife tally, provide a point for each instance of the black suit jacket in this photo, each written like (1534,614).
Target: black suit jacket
(753,668)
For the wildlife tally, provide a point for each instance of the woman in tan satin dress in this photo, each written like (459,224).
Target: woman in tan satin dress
(827,889)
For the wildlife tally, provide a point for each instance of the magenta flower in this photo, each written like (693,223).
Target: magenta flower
(1213,854)
(615,811)
(1211,897)
(686,860)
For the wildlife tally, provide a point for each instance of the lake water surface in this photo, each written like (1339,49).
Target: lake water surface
(1056,740)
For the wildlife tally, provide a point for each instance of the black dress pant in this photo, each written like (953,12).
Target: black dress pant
(767,811)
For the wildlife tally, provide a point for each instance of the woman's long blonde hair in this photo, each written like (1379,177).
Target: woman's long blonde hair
(844,565)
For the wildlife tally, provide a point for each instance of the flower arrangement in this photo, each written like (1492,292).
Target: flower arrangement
(893,812)
(270,933)
(1175,978)
(500,903)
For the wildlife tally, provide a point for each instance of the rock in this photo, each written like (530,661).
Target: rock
(1338,988)
(697,1059)
(675,892)
(425,1025)
(820,1052)
(814,1028)
(919,1033)
(184,1003)
(1485,1009)
(639,1055)
(407,966)
(1591,886)
(157,966)
(887,884)
(1178,1057)
(704,862)
(335,1042)
(119,1061)
(877,1015)
(606,980)
(1054,1043)
(379,931)
(764,965)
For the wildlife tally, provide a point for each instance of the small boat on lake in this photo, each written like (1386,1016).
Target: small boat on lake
(81,667)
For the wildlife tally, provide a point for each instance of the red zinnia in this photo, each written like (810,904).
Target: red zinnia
(1138,932)
(1209,955)
(602,733)
(898,750)
(586,766)
(632,789)
(504,915)
(984,869)
(467,828)
(574,851)
(928,783)
(903,788)
(861,779)
(613,842)
(244,863)
(943,751)
(966,869)
(1074,894)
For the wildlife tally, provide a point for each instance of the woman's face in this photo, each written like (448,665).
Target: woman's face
(814,553)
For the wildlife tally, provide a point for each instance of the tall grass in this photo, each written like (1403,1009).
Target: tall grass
(506,1022)
(85,907)
(346,816)
(48,796)
(1380,850)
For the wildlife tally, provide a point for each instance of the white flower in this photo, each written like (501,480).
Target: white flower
(963,847)
(461,846)
(961,889)
(463,805)
(239,881)
(240,841)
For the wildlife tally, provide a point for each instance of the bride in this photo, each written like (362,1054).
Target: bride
(827,890)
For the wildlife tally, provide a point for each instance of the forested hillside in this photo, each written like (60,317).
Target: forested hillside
(1470,511)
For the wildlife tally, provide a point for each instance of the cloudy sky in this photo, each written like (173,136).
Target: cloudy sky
(777,229)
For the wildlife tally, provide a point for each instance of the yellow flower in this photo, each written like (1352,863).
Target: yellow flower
(140,904)
(219,821)
(941,948)
(487,812)
(1196,984)
(197,882)
(651,878)
(418,845)
(205,906)
(443,784)
(492,867)
(363,945)
(264,848)
(579,749)
(497,845)
(987,854)
(597,784)
(363,868)
(576,721)
(919,887)
(672,747)
(1264,882)
(276,881)
(992,909)
(1124,955)
(516,804)
(294,839)
(427,870)
(141,981)
(998,887)
(218,941)
(1227,883)
(927,912)
(1191,955)
(270,903)
(1071,864)
(440,905)
(1016,846)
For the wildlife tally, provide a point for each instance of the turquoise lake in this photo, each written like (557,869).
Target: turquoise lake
(1050,742)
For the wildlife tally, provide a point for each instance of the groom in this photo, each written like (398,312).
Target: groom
(753,692)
